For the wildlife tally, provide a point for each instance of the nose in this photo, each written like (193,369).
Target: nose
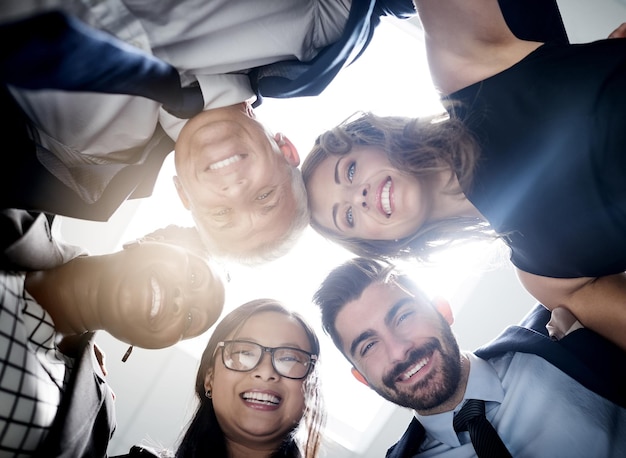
(360,195)
(398,348)
(234,188)
(179,301)
(265,370)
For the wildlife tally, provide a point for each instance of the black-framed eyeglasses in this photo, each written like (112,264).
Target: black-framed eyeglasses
(243,356)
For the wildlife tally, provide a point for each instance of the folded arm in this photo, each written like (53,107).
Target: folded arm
(467,41)
(599,303)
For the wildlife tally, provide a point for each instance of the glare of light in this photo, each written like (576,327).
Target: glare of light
(390,78)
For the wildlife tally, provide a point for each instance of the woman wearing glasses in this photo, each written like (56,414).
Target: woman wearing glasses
(258,386)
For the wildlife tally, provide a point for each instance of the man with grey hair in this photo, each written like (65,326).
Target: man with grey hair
(93,150)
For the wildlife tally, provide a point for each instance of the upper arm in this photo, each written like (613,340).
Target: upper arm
(467,41)
(599,303)
(552,292)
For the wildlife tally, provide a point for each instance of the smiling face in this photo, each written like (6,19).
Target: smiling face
(154,294)
(235,178)
(361,195)
(402,346)
(257,408)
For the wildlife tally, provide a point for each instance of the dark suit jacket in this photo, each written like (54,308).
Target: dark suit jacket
(27,184)
(85,420)
(588,358)
(26,242)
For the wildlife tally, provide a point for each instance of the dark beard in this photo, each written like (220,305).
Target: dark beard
(431,393)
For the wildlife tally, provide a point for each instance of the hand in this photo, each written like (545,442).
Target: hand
(620,32)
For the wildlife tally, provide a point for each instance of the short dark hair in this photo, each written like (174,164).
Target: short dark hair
(347,282)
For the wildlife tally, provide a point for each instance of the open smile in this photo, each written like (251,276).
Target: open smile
(226,162)
(413,370)
(157,298)
(261,400)
(385,198)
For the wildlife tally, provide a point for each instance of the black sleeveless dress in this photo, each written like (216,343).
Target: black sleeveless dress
(551,177)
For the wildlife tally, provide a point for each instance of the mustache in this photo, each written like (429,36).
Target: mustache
(414,356)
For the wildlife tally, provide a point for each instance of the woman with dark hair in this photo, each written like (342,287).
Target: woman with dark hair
(258,387)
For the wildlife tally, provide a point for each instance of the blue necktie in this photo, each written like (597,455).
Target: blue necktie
(56,51)
(484,437)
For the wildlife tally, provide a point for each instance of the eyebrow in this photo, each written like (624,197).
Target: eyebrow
(389,316)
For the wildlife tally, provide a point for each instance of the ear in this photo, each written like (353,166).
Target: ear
(288,149)
(182,194)
(208,380)
(443,307)
(360,377)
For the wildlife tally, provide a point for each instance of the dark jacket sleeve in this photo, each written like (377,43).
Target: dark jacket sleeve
(54,50)
(297,79)
(85,420)
(27,242)
(591,360)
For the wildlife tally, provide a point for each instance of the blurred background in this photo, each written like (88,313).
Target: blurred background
(154,389)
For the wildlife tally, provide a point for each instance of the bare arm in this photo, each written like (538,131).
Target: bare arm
(598,303)
(467,41)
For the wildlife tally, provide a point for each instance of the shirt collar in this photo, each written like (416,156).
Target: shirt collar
(483,383)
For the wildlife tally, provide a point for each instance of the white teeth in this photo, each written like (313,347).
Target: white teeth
(415,369)
(226,162)
(384,197)
(261,397)
(156,297)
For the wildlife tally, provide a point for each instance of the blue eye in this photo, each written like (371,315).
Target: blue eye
(350,172)
(349,217)
(264,196)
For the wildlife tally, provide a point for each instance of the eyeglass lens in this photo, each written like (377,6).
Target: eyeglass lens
(245,356)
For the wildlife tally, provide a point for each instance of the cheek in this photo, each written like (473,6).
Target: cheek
(223,395)
(296,404)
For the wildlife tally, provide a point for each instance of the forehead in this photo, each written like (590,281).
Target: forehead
(370,310)
(273,329)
